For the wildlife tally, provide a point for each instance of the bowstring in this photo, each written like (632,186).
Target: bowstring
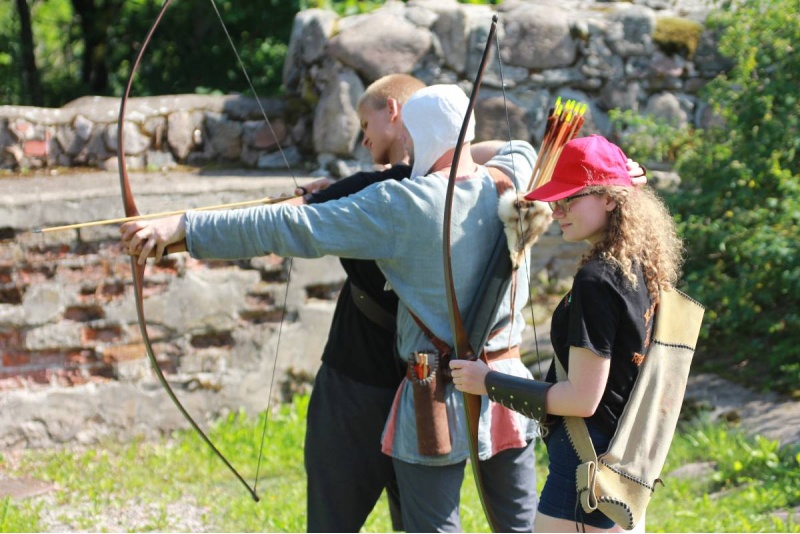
(253,89)
(513,170)
(290,260)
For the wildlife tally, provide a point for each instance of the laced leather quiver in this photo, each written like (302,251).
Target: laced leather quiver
(621,481)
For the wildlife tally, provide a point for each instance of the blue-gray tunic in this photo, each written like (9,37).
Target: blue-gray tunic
(399,224)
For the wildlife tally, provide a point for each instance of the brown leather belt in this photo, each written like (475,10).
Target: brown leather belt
(502,354)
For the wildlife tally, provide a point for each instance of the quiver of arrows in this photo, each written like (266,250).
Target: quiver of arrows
(525,220)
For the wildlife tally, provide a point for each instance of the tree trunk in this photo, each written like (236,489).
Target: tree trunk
(31,83)
(94,71)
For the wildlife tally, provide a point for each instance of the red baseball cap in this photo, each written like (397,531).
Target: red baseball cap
(584,162)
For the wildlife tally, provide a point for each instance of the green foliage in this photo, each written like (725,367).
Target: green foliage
(649,140)
(344,7)
(190,51)
(739,209)
(10,56)
(676,35)
(58,50)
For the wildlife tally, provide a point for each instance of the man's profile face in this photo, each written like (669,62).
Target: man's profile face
(379,132)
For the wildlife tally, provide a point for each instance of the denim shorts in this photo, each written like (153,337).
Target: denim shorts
(559,497)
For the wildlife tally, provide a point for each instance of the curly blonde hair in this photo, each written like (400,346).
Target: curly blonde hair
(641,232)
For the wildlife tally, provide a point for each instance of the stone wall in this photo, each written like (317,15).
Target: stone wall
(160,133)
(648,56)
(73,363)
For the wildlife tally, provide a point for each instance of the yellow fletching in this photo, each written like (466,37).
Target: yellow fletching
(568,121)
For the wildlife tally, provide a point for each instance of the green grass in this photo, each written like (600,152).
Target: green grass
(753,478)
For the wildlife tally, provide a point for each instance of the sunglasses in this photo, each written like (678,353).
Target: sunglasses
(564,203)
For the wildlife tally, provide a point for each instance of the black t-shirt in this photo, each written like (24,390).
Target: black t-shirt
(604,314)
(357,346)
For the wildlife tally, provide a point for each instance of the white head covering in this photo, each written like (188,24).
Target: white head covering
(433,117)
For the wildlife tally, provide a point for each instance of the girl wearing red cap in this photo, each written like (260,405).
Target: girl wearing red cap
(601,329)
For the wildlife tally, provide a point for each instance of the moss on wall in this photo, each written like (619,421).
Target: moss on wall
(675,35)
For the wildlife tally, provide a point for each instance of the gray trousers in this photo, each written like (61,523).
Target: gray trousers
(430,496)
(345,467)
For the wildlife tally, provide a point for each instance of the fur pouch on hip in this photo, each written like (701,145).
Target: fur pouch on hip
(523,222)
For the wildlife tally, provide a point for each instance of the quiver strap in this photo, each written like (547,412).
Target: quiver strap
(621,481)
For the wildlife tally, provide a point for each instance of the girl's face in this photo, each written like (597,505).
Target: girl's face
(583,217)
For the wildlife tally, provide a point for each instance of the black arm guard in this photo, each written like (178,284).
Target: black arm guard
(523,395)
